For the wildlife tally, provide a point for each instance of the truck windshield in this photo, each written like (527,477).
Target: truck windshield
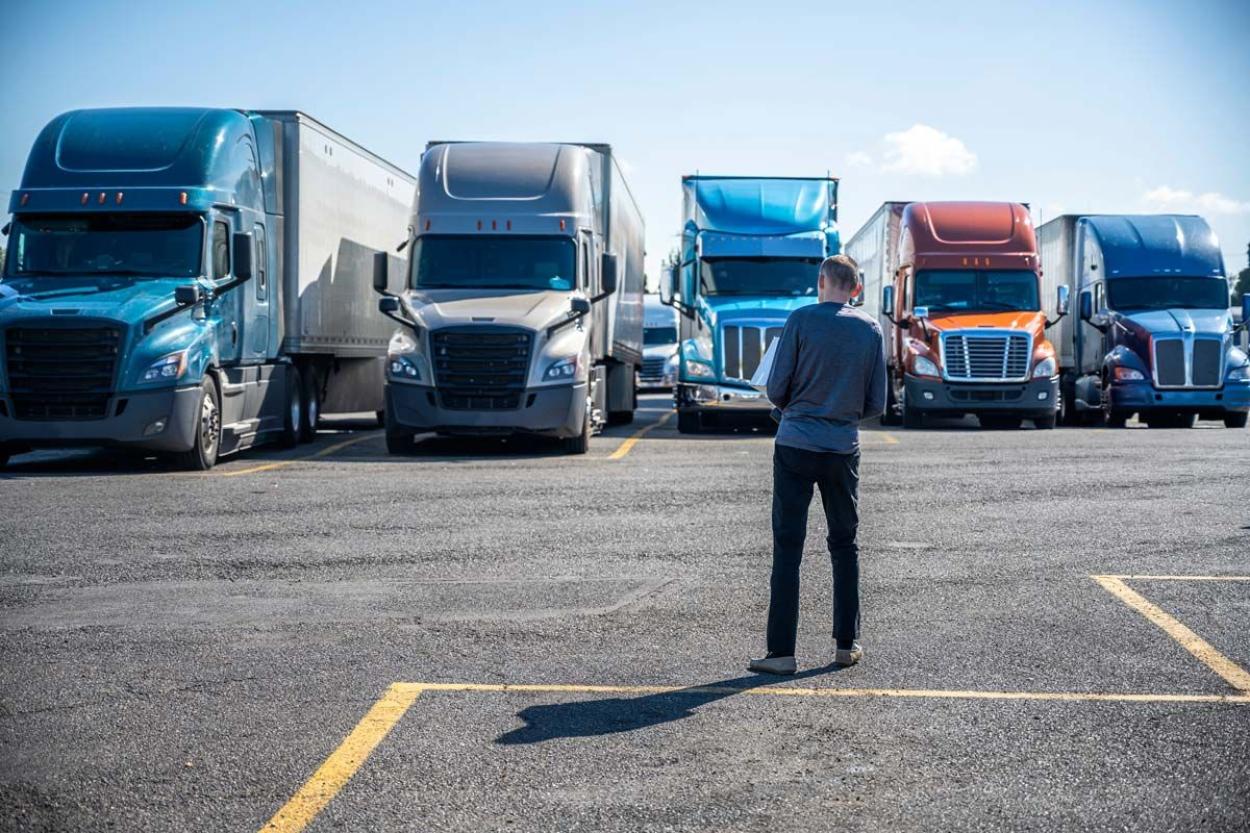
(758,276)
(1131,294)
(494,262)
(982,290)
(148,245)
(652,336)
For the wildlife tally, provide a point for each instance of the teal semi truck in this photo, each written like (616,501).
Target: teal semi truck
(192,282)
(750,252)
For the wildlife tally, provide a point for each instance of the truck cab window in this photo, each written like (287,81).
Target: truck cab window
(221,250)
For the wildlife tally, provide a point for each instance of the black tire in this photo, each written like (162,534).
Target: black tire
(1068,414)
(620,418)
(400,441)
(1045,423)
(202,456)
(912,417)
(310,403)
(1001,422)
(891,415)
(1112,417)
(1232,419)
(688,422)
(581,443)
(381,417)
(293,413)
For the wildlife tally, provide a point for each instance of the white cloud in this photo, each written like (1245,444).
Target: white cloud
(858,159)
(1181,201)
(925,150)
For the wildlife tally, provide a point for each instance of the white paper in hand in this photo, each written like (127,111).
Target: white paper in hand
(759,380)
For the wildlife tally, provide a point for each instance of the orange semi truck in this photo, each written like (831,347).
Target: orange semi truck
(957,288)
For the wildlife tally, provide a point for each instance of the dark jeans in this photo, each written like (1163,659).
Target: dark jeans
(795,472)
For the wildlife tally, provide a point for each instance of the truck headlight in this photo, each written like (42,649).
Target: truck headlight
(166,368)
(1045,368)
(403,367)
(1127,374)
(563,369)
(700,369)
(922,366)
(401,358)
(1239,374)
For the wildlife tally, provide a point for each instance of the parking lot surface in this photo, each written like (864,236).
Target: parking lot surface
(496,636)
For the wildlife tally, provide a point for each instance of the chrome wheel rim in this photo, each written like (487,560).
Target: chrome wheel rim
(210,425)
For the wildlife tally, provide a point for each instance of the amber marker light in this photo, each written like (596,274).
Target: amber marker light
(182,198)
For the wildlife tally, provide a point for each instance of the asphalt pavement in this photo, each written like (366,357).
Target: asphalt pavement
(495,636)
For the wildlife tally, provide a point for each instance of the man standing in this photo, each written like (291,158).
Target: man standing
(828,374)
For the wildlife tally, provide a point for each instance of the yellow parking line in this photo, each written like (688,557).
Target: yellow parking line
(625,447)
(1234,674)
(278,464)
(788,691)
(889,438)
(330,777)
(1182,578)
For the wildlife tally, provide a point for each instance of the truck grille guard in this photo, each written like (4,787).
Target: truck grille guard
(59,371)
(986,355)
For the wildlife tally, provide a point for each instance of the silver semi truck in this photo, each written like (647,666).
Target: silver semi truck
(521,308)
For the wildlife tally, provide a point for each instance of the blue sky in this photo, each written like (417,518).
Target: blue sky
(1098,106)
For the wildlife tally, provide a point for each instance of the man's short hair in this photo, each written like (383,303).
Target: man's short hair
(842,270)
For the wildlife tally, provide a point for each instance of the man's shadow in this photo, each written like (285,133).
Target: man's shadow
(590,718)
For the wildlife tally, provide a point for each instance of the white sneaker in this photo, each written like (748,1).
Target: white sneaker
(846,657)
(773,665)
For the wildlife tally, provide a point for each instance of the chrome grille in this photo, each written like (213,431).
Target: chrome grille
(481,368)
(742,347)
(1180,363)
(61,373)
(653,367)
(980,356)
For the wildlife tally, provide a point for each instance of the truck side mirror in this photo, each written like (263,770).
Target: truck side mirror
(388,305)
(244,265)
(607,273)
(188,296)
(381,275)
(668,286)
(580,306)
(1061,302)
(887,301)
(1086,305)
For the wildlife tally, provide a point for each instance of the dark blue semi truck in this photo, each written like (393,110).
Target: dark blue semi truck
(1155,335)
(192,281)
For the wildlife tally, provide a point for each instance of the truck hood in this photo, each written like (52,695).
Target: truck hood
(115,297)
(717,311)
(533,309)
(1178,321)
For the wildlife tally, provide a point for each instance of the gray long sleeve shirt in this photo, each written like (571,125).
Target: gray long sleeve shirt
(827,375)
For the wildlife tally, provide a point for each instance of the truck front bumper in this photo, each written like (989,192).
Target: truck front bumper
(723,398)
(550,411)
(134,419)
(1035,399)
(1143,396)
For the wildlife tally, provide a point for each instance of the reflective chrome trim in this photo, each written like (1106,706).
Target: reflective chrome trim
(1188,340)
(747,350)
(960,354)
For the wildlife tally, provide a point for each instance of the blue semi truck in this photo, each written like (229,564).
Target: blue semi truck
(1154,335)
(750,251)
(192,281)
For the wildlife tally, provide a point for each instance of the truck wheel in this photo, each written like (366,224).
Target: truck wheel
(688,422)
(1045,423)
(293,414)
(381,417)
(1232,419)
(581,443)
(203,454)
(400,441)
(890,416)
(1068,414)
(310,405)
(620,417)
(1112,417)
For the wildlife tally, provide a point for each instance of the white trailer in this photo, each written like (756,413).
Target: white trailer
(875,248)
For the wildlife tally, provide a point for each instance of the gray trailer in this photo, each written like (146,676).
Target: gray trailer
(339,204)
(1055,240)
(875,248)
(521,304)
